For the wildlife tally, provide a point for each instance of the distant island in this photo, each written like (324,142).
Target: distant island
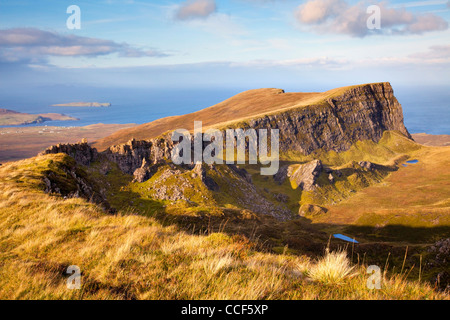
(84,104)
(14,118)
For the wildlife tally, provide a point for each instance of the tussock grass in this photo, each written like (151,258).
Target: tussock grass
(333,268)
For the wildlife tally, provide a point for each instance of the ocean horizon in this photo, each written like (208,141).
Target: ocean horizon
(425,110)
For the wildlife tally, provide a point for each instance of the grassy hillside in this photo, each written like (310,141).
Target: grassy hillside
(416,196)
(241,107)
(136,255)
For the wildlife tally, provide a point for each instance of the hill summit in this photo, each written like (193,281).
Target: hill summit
(332,120)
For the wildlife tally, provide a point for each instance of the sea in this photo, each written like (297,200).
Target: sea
(425,109)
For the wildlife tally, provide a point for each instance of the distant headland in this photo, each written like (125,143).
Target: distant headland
(14,118)
(83,104)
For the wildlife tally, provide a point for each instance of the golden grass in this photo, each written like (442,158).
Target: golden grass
(333,268)
(417,195)
(128,256)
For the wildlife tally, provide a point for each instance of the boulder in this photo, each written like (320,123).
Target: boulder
(311,210)
(331,178)
(281,176)
(367,165)
(305,175)
(143,173)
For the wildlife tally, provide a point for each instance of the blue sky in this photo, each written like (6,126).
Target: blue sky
(240,43)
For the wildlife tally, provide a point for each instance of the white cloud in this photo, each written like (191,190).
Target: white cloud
(303,63)
(419,4)
(220,24)
(338,16)
(194,9)
(427,23)
(30,44)
(317,11)
(435,53)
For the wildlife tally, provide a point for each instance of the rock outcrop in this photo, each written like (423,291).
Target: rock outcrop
(358,113)
(282,174)
(334,122)
(242,172)
(200,171)
(367,165)
(143,173)
(311,210)
(81,152)
(304,176)
(370,166)
(131,155)
(70,181)
(331,178)
(163,191)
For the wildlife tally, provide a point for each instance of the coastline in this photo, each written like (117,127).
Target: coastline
(84,104)
(432,140)
(17,143)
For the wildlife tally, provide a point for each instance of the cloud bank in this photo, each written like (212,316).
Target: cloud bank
(31,45)
(436,53)
(338,16)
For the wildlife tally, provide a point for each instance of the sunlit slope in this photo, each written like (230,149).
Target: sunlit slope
(246,105)
(132,256)
(415,195)
(242,105)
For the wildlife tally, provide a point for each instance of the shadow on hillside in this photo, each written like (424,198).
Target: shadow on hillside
(400,233)
(298,234)
(382,246)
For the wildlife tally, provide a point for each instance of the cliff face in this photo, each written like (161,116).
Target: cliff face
(131,155)
(336,121)
(359,113)
(81,152)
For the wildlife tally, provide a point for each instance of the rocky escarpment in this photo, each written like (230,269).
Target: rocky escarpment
(81,152)
(339,120)
(65,178)
(359,113)
(131,155)
(335,122)
(304,176)
(208,185)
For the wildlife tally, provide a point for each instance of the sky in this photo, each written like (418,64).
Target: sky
(292,44)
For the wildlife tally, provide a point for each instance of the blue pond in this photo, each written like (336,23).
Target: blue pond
(411,162)
(345,238)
